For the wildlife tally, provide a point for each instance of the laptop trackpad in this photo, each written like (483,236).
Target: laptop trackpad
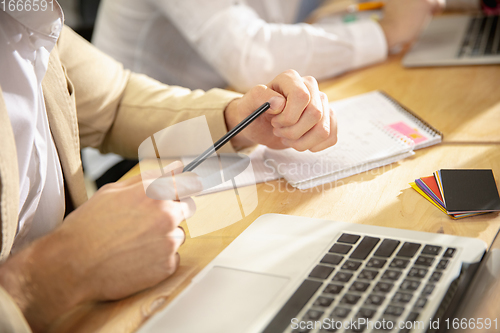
(224,300)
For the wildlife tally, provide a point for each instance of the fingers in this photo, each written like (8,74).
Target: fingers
(312,115)
(277,104)
(261,94)
(332,137)
(188,207)
(178,237)
(297,95)
(316,127)
(172,213)
(318,134)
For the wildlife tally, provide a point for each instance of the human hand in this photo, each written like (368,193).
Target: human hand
(117,243)
(300,115)
(403,20)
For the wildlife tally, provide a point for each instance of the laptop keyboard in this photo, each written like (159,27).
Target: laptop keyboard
(482,37)
(381,280)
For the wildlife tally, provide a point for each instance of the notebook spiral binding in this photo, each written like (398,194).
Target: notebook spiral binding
(425,125)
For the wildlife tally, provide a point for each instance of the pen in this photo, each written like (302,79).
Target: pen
(228,136)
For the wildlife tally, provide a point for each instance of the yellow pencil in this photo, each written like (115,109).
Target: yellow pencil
(372,5)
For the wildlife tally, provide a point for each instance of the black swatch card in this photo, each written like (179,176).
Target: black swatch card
(469,190)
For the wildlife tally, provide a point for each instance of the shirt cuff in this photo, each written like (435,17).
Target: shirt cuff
(368,40)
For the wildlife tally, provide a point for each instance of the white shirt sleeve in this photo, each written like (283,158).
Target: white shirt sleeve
(247,51)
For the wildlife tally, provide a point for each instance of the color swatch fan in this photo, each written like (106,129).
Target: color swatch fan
(460,192)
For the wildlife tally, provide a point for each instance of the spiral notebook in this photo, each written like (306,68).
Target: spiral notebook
(373,130)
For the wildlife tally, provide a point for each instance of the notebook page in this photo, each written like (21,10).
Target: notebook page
(378,106)
(361,140)
(352,171)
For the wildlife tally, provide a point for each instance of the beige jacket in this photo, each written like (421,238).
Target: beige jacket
(92,101)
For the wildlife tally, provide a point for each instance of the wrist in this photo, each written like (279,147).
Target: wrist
(386,28)
(42,281)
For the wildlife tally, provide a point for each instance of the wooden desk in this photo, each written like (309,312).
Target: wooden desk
(462,102)
(458,101)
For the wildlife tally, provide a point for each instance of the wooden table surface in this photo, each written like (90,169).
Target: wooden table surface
(462,102)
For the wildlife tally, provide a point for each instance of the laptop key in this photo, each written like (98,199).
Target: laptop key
(402,297)
(435,277)
(412,316)
(449,252)
(348,238)
(323,302)
(420,303)
(358,326)
(386,248)
(383,287)
(442,264)
(364,248)
(350,299)
(408,250)
(313,315)
(432,250)
(333,289)
(359,286)
(376,263)
(409,285)
(331,259)
(321,272)
(428,289)
(340,248)
(395,311)
(418,273)
(399,263)
(374,300)
(424,261)
(340,312)
(387,324)
(351,265)
(367,274)
(293,306)
(342,277)
(391,275)
(366,313)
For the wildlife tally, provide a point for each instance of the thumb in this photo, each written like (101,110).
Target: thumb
(277,104)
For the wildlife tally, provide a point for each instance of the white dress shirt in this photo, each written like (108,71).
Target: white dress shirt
(27,38)
(205,44)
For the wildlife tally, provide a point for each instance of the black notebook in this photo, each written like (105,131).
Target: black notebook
(468,190)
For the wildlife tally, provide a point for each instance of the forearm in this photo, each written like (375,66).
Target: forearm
(247,51)
(148,106)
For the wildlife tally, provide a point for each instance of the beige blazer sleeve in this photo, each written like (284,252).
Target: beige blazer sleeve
(118,109)
(11,318)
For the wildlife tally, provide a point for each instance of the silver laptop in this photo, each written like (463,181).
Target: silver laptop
(297,274)
(457,40)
